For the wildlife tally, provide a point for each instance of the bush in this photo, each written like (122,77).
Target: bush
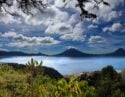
(31,82)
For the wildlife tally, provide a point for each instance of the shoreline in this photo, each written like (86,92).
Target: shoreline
(64,75)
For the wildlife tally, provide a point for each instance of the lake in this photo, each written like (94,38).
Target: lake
(67,65)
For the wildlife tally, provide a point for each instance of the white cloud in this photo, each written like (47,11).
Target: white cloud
(96,40)
(114,28)
(34,41)
(59,20)
(106,13)
(7,19)
(71,47)
(76,35)
(92,26)
(20,40)
(59,28)
(9,34)
(56,12)
(109,15)
(115,3)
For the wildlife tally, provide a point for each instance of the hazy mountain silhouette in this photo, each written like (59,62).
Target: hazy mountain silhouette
(76,53)
(67,53)
(73,53)
(118,52)
(17,53)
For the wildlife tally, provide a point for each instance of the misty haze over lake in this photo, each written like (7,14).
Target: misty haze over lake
(67,65)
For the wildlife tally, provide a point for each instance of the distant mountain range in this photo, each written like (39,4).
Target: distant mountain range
(18,53)
(67,53)
(76,53)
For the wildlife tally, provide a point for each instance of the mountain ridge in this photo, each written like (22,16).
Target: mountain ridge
(17,53)
(77,53)
(118,52)
(72,52)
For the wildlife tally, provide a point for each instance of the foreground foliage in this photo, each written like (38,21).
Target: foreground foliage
(32,82)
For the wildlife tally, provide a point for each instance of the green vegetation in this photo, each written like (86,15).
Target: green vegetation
(31,81)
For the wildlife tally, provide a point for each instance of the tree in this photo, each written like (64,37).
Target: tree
(27,5)
(109,72)
(35,70)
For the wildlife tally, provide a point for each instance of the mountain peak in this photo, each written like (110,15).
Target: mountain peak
(72,49)
(72,52)
(120,50)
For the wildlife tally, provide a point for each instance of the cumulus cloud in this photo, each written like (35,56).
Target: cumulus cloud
(59,28)
(104,12)
(92,26)
(76,35)
(19,40)
(96,40)
(57,12)
(115,3)
(9,34)
(116,27)
(7,19)
(56,19)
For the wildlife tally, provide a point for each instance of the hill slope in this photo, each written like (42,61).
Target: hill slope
(17,53)
(73,53)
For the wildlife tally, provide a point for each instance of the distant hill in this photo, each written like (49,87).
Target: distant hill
(76,53)
(17,53)
(73,53)
(118,52)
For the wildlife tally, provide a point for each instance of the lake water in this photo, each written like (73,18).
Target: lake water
(66,65)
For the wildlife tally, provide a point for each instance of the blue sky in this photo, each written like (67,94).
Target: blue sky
(60,28)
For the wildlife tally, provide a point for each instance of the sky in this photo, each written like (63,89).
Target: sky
(59,28)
